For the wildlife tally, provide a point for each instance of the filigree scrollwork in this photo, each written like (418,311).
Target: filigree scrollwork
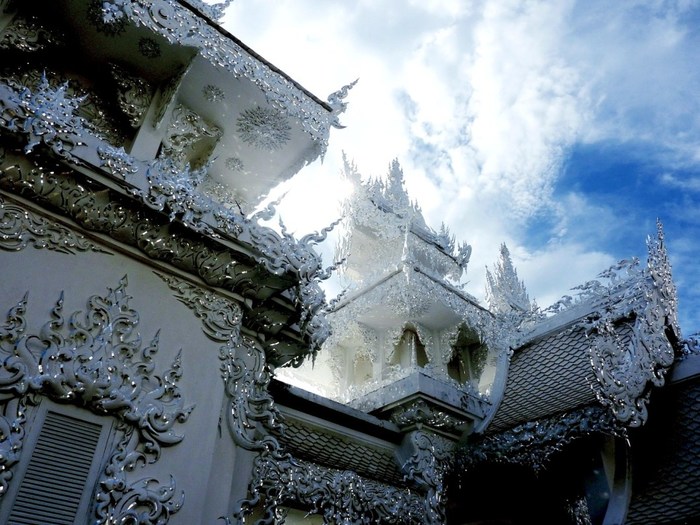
(221,318)
(11,435)
(264,128)
(430,460)
(631,343)
(28,34)
(421,413)
(244,368)
(133,94)
(186,129)
(533,444)
(97,361)
(339,496)
(337,102)
(20,228)
(251,414)
(46,115)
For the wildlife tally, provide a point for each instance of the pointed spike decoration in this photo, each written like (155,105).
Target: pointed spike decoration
(505,293)
(336,100)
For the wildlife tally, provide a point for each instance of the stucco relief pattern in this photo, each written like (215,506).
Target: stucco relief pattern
(340,496)
(265,128)
(278,477)
(28,34)
(20,228)
(97,210)
(47,115)
(174,22)
(96,360)
(629,358)
(420,413)
(533,444)
(244,368)
(428,466)
(134,94)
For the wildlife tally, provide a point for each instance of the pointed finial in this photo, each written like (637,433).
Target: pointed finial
(338,104)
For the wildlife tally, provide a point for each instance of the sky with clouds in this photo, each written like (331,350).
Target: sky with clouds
(561,128)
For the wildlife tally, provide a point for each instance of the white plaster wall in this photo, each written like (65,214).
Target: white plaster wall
(204,462)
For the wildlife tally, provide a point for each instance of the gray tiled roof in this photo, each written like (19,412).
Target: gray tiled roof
(667,488)
(334,450)
(545,377)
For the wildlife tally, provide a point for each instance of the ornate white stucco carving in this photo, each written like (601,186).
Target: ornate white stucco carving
(505,292)
(533,444)
(20,228)
(96,360)
(337,102)
(427,467)
(185,130)
(402,278)
(134,94)
(46,116)
(629,358)
(264,128)
(251,413)
(175,22)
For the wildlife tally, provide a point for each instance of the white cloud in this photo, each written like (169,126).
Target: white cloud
(687,184)
(480,101)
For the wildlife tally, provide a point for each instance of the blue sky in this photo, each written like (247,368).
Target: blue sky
(562,128)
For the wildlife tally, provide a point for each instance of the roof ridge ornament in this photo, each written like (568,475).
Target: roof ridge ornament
(338,104)
(505,291)
(628,360)
(213,11)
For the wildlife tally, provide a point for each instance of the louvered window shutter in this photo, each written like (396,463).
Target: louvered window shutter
(58,479)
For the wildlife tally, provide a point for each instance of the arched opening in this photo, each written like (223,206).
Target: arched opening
(409,351)
(362,370)
(468,358)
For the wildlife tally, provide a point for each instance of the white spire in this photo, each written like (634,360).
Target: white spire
(505,293)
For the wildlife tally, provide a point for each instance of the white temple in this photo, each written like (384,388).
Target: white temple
(146,311)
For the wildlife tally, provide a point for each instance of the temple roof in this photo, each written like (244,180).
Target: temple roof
(667,483)
(545,377)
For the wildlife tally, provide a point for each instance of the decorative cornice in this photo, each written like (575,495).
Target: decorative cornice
(96,360)
(340,496)
(47,116)
(20,228)
(98,210)
(419,413)
(533,444)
